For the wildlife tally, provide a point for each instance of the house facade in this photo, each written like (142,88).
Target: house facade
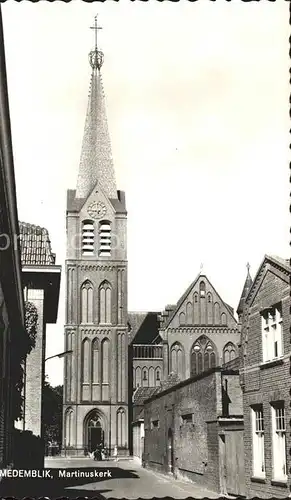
(265,374)
(13,337)
(41,285)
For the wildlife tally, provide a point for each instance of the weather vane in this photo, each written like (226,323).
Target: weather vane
(96,57)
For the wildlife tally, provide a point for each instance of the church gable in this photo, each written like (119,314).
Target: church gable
(201,305)
(97,206)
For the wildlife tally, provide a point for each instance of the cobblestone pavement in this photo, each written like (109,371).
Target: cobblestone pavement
(129,480)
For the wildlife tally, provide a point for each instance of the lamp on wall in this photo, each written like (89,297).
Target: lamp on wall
(60,355)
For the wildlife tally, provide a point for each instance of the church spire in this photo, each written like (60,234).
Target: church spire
(246,289)
(96,164)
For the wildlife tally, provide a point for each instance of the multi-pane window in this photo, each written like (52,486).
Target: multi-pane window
(279,442)
(229,352)
(177,360)
(258,442)
(203,356)
(104,239)
(87,237)
(272,333)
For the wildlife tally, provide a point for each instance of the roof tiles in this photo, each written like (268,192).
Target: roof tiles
(35,245)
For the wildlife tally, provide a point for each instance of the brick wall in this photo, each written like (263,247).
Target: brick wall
(34,369)
(231,386)
(213,470)
(191,439)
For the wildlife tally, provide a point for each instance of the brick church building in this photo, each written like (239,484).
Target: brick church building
(96,329)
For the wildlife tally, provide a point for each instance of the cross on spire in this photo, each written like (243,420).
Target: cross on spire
(96,56)
(248,267)
(96,28)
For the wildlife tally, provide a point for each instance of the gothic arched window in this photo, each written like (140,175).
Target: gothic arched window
(120,420)
(105,294)
(95,361)
(229,352)
(177,360)
(138,377)
(203,355)
(87,237)
(189,312)
(202,289)
(69,427)
(105,361)
(85,360)
(104,239)
(182,318)
(223,319)
(216,313)
(157,376)
(87,302)
(151,377)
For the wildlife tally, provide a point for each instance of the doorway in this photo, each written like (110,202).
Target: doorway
(232,463)
(95,433)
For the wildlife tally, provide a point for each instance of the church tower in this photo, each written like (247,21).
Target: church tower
(96,332)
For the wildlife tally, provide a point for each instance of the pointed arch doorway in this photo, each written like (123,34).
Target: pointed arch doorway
(94,431)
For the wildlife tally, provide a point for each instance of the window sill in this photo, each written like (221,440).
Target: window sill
(279,482)
(272,362)
(256,479)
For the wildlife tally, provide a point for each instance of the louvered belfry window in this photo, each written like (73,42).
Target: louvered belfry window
(104,239)
(88,238)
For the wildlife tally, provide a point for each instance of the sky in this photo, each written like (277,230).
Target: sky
(197,105)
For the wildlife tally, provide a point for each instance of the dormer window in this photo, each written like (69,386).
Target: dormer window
(87,237)
(104,239)
(202,289)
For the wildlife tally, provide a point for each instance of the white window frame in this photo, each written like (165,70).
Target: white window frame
(258,440)
(272,342)
(279,447)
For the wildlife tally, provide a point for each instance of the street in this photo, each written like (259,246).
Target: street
(129,480)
